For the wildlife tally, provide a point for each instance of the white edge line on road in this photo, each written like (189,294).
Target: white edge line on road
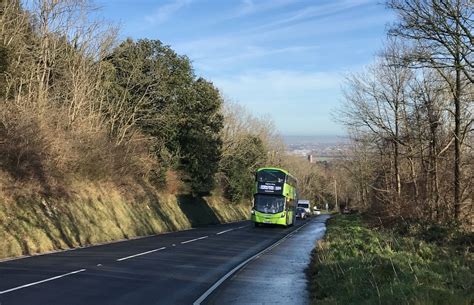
(231,272)
(242,227)
(225,231)
(139,254)
(43,281)
(191,240)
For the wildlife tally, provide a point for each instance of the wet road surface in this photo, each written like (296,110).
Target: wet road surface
(276,277)
(173,268)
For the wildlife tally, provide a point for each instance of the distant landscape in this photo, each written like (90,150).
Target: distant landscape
(320,147)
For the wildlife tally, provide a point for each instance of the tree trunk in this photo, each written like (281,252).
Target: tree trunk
(457,125)
(457,144)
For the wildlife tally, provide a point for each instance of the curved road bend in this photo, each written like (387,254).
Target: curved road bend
(171,268)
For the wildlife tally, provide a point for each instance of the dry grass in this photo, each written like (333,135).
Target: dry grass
(100,212)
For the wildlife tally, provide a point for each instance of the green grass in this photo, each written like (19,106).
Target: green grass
(358,265)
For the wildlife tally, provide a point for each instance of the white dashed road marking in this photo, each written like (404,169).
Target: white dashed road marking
(119,260)
(222,232)
(139,254)
(190,241)
(225,231)
(43,281)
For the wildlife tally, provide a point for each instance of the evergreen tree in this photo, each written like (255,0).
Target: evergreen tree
(160,94)
(199,136)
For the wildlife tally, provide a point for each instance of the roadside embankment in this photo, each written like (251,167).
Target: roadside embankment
(101,212)
(355,264)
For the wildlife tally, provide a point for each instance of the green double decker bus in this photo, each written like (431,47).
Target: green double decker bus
(275,197)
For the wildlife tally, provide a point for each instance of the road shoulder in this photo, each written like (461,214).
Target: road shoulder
(278,275)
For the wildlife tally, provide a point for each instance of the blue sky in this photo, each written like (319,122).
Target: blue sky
(283,58)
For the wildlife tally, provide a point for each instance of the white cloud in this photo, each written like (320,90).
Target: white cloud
(250,42)
(225,58)
(251,52)
(249,7)
(314,11)
(164,12)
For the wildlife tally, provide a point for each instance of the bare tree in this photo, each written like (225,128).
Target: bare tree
(441,33)
(375,103)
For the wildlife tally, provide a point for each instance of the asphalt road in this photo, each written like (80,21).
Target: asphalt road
(277,276)
(172,268)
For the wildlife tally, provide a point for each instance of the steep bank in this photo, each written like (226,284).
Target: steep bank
(101,212)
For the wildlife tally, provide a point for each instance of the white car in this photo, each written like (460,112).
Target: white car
(316,211)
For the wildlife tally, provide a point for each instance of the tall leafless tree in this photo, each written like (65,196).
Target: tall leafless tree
(441,34)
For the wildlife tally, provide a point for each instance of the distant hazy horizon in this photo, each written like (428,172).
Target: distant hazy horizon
(314,139)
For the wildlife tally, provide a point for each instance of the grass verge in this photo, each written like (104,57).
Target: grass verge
(355,264)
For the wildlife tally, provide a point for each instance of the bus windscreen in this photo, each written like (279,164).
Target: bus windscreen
(269,204)
(271,176)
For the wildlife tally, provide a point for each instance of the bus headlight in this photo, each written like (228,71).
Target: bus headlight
(253,212)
